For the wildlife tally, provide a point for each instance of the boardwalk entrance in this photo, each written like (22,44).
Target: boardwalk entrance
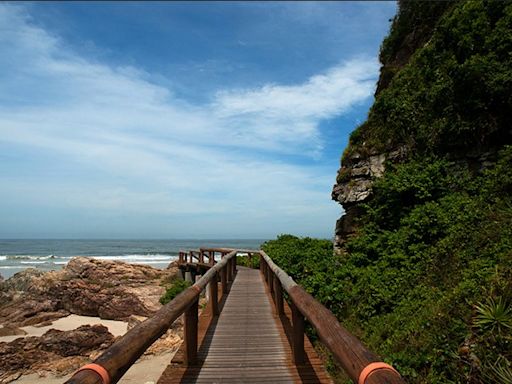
(251,331)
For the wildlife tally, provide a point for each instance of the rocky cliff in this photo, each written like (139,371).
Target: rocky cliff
(442,91)
(424,264)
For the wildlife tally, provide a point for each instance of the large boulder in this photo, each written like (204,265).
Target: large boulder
(25,355)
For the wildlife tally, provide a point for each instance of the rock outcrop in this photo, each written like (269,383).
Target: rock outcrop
(354,186)
(86,286)
(34,353)
(108,289)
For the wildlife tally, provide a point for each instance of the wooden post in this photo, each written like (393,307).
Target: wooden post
(190,333)
(297,335)
(234,267)
(214,296)
(278,297)
(224,280)
(271,283)
(229,267)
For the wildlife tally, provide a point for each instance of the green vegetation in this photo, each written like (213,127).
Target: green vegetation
(427,281)
(245,261)
(454,94)
(174,290)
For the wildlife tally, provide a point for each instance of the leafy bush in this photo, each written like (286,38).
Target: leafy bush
(174,290)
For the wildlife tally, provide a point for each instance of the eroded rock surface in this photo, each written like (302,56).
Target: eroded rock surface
(107,289)
(32,353)
(354,186)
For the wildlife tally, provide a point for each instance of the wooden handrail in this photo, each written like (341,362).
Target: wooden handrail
(348,351)
(119,357)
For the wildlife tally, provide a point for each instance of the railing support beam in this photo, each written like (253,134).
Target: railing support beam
(278,297)
(214,296)
(297,335)
(190,333)
(224,280)
(229,267)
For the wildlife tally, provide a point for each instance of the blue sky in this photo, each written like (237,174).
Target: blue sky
(180,120)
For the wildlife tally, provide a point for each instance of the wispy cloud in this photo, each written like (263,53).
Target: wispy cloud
(191,157)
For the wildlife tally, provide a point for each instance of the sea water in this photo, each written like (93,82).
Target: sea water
(46,255)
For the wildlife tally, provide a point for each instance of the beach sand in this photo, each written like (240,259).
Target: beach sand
(146,370)
(117,328)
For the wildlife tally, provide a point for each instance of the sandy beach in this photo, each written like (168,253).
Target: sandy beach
(117,328)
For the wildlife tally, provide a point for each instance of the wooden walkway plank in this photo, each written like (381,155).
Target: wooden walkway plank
(247,343)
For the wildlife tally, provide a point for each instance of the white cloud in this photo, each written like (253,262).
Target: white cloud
(193,158)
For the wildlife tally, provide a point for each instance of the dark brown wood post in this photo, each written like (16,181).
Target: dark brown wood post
(214,295)
(271,278)
(229,267)
(297,335)
(234,267)
(190,333)
(278,296)
(224,279)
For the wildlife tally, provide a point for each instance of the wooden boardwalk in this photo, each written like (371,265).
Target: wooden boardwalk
(247,343)
(250,335)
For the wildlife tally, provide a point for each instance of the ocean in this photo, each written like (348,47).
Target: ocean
(46,255)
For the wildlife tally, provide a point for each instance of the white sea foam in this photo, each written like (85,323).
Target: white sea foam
(25,257)
(34,262)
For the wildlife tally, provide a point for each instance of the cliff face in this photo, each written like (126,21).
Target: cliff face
(444,90)
(354,186)
(424,264)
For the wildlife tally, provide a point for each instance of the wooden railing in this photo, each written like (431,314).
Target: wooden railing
(361,365)
(120,356)
(203,255)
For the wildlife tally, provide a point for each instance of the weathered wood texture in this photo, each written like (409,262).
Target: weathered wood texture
(246,344)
